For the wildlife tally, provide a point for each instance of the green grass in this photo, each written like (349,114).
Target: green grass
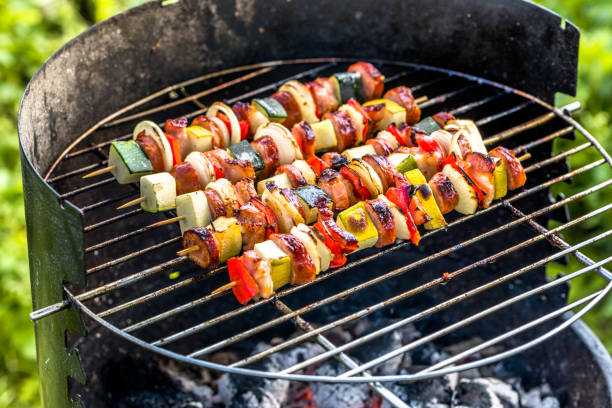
(30,30)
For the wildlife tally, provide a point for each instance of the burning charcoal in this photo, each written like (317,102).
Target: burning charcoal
(427,393)
(338,395)
(485,393)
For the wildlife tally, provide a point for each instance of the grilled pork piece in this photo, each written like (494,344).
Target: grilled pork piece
(514,168)
(207,254)
(403,96)
(444,192)
(302,267)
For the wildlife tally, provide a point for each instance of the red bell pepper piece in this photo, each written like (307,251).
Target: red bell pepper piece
(401,197)
(176,149)
(219,172)
(457,165)
(246,287)
(429,144)
(225,121)
(244,129)
(271,224)
(339,258)
(360,190)
(359,108)
(317,164)
(393,130)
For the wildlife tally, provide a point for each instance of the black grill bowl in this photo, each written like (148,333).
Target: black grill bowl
(150,47)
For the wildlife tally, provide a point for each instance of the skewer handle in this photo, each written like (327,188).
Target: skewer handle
(136,201)
(187,251)
(100,171)
(223,288)
(524,157)
(420,99)
(166,222)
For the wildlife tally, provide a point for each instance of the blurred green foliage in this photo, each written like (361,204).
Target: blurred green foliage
(30,30)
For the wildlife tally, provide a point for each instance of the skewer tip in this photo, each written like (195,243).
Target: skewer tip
(166,222)
(421,99)
(524,157)
(99,171)
(223,288)
(132,202)
(187,251)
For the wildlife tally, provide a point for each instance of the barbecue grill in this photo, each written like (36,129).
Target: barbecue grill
(499,64)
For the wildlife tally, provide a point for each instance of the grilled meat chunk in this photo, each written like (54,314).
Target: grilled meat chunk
(444,192)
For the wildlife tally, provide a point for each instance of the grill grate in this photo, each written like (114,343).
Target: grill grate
(191,330)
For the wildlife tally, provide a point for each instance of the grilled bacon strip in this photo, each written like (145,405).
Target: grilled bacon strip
(186,178)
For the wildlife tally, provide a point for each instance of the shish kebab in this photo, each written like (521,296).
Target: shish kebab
(153,150)
(272,152)
(468,179)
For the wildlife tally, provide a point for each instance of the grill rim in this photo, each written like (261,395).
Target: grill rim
(295,377)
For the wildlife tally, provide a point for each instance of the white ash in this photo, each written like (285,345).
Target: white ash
(434,392)
(253,392)
(338,395)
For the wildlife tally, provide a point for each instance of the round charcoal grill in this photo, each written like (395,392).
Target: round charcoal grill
(480,269)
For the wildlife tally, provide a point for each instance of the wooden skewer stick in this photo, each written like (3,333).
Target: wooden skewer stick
(133,202)
(187,251)
(524,157)
(420,99)
(166,222)
(100,171)
(223,288)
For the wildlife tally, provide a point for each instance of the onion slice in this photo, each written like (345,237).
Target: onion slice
(151,129)
(288,149)
(231,116)
(304,99)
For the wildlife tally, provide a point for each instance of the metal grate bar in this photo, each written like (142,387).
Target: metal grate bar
(502,114)
(357,262)
(557,241)
(242,96)
(193,97)
(102,203)
(474,317)
(112,219)
(77,171)
(344,359)
(87,188)
(447,95)
(128,280)
(537,142)
(429,83)
(515,331)
(420,262)
(520,128)
(458,298)
(557,157)
(468,107)
(155,294)
(132,255)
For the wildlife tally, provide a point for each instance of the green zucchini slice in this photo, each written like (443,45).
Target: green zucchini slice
(244,151)
(271,108)
(130,161)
